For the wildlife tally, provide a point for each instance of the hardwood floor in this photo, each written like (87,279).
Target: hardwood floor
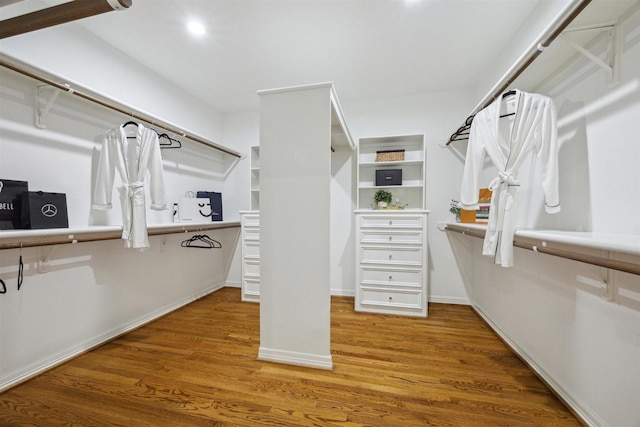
(197,367)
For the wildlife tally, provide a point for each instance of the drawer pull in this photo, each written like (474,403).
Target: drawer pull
(390,222)
(390,256)
(390,237)
(390,299)
(390,278)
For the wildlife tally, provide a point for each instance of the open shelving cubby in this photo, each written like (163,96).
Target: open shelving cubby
(411,191)
(255,177)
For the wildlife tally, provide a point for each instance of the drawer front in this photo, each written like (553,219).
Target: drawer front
(391,276)
(251,221)
(382,297)
(389,256)
(251,250)
(391,236)
(251,269)
(391,221)
(251,234)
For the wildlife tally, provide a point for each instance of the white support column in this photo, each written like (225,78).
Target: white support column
(295,178)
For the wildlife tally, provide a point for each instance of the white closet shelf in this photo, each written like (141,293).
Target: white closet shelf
(392,163)
(371,187)
(625,243)
(539,240)
(11,239)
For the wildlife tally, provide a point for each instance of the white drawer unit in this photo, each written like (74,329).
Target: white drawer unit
(250,256)
(392,258)
(399,277)
(391,255)
(392,301)
(391,221)
(385,236)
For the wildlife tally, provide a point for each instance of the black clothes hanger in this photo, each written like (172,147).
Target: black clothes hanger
(130,123)
(173,143)
(201,241)
(4,287)
(504,95)
(20,269)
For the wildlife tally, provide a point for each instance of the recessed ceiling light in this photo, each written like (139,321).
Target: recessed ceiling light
(196,28)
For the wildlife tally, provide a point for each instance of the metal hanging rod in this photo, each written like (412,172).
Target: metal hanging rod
(15,239)
(537,47)
(60,14)
(627,267)
(128,111)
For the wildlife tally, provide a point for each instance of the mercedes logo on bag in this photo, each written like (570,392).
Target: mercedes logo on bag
(49,210)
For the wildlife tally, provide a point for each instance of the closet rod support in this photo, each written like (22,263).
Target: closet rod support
(44,258)
(41,112)
(612,69)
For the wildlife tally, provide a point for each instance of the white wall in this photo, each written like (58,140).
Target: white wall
(585,345)
(96,290)
(342,233)
(241,131)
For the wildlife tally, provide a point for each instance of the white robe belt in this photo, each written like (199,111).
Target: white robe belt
(133,199)
(503,178)
(503,197)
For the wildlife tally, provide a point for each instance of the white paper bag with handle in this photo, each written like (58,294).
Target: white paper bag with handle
(193,209)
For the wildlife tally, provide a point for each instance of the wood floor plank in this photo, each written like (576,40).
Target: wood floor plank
(197,367)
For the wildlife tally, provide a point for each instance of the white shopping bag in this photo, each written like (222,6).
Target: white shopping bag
(194,209)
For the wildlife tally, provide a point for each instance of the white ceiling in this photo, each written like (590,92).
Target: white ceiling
(367,48)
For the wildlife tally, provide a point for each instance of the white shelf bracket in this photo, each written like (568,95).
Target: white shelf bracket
(602,280)
(612,67)
(42,111)
(44,258)
(610,288)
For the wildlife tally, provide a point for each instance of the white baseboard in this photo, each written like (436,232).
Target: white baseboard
(295,358)
(343,292)
(576,405)
(233,284)
(18,376)
(449,300)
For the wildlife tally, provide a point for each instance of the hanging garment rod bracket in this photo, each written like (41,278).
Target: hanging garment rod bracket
(602,281)
(611,68)
(41,112)
(44,258)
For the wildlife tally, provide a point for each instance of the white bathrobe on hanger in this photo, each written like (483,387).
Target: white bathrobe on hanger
(508,141)
(133,158)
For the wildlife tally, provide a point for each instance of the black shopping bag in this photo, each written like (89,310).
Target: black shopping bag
(44,210)
(215,201)
(10,203)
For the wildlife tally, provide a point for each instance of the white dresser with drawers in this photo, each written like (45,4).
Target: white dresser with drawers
(250,255)
(392,262)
